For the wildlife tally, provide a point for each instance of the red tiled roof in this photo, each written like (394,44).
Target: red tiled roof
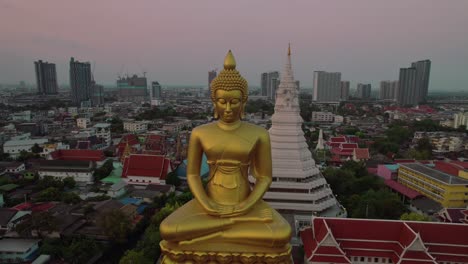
(338,139)
(78,154)
(348,145)
(342,152)
(131,139)
(401,241)
(462,164)
(334,144)
(141,165)
(402,189)
(362,153)
(37,207)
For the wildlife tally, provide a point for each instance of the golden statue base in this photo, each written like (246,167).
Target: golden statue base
(210,253)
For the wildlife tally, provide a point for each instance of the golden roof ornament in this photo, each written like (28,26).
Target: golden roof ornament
(229,79)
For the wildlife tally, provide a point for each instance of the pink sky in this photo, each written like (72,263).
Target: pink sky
(178,42)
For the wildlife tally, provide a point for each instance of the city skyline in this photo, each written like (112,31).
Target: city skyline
(369,42)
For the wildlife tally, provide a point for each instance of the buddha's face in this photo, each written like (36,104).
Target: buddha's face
(228,105)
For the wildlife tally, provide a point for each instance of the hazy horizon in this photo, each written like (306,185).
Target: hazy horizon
(177,43)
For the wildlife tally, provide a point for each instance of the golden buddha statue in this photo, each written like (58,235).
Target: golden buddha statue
(228,221)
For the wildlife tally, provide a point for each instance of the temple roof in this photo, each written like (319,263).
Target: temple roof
(332,239)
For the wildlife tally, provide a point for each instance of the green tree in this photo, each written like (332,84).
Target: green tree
(414,217)
(134,257)
(398,134)
(81,250)
(116,225)
(69,182)
(71,198)
(37,224)
(172,179)
(50,194)
(36,149)
(103,171)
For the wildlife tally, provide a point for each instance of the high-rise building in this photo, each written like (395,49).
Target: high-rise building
(406,93)
(298,187)
(80,82)
(97,94)
(344,90)
(327,86)
(423,70)
(46,77)
(388,90)
(156,90)
(414,83)
(211,75)
(363,91)
(133,89)
(269,84)
(298,85)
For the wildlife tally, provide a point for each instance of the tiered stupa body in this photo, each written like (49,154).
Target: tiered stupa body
(298,187)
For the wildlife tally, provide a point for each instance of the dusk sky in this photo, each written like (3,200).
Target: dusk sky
(178,42)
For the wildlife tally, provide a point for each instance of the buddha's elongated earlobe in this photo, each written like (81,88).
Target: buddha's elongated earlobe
(242,114)
(215,114)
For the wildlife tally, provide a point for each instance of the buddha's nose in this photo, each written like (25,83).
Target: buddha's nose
(228,108)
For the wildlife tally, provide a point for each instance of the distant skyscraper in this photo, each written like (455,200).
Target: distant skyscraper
(80,82)
(211,75)
(156,90)
(423,70)
(97,94)
(363,91)
(269,84)
(46,77)
(298,85)
(344,90)
(327,86)
(264,84)
(133,89)
(388,90)
(414,83)
(406,93)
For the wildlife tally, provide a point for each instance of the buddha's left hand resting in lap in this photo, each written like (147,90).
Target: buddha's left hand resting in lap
(228,210)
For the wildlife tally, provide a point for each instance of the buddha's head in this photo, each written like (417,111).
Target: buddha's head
(229,92)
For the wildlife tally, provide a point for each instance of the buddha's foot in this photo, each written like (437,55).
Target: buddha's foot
(200,239)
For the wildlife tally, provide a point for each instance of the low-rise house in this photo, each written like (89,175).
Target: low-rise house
(13,167)
(117,189)
(96,156)
(135,126)
(18,250)
(6,217)
(140,169)
(81,171)
(15,147)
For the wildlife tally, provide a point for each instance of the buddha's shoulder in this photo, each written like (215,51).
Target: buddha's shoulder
(204,128)
(254,128)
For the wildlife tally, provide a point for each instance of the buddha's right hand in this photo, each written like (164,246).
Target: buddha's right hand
(216,209)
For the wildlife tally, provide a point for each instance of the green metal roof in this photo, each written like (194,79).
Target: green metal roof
(8,187)
(115,175)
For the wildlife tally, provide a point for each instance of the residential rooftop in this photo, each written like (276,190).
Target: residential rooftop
(435,174)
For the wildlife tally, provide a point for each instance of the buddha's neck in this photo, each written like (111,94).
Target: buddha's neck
(229,126)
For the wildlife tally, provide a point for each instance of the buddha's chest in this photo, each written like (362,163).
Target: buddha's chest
(229,146)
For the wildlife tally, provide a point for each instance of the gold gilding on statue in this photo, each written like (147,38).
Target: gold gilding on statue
(227,221)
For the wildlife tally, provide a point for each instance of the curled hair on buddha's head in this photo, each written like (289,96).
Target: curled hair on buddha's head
(229,79)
